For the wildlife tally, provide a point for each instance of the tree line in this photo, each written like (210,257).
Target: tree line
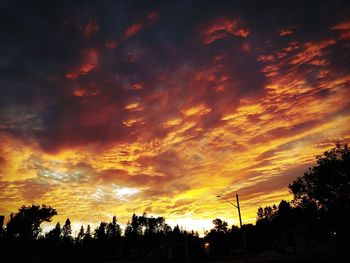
(318,214)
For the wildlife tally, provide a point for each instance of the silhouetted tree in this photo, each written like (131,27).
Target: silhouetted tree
(327,184)
(220,226)
(267,213)
(55,233)
(324,190)
(177,230)
(145,225)
(113,229)
(284,208)
(134,227)
(81,234)
(220,238)
(136,224)
(26,222)
(67,230)
(154,225)
(87,235)
(100,231)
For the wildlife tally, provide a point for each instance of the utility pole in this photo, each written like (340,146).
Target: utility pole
(243,232)
(244,243)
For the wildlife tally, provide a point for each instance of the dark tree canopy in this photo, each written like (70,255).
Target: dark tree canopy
(220,225)
(26,222)
(87,235)
(145,225)
(327,184)
(55,233)
(100,231)
(81,234)
(113,229)
(67,230)
(267,213)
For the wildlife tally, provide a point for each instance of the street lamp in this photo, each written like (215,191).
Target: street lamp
(240,223)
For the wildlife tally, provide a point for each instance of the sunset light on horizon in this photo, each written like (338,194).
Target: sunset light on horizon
(120,107)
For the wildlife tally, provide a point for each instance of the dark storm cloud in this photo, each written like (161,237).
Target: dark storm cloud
(75,65)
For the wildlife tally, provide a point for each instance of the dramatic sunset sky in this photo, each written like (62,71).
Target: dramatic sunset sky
(115,107)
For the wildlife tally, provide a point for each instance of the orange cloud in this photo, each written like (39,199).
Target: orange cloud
(197,110)
(135,106)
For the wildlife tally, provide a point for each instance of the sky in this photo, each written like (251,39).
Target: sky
(121,107)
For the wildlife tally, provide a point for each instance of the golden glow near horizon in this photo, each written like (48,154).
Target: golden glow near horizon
(170,150)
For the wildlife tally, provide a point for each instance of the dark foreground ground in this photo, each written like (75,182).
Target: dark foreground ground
(288,259)
(263,258)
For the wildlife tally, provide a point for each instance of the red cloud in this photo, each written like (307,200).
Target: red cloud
(91,28)
(133,29)
(136,27)
(153,17)
(84,92)
(224,28)
(344,29)
(342,26)
(86,68)
(90,62)
(311,51)
(285,32)
(72,75)
(111,44)
(137,86)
